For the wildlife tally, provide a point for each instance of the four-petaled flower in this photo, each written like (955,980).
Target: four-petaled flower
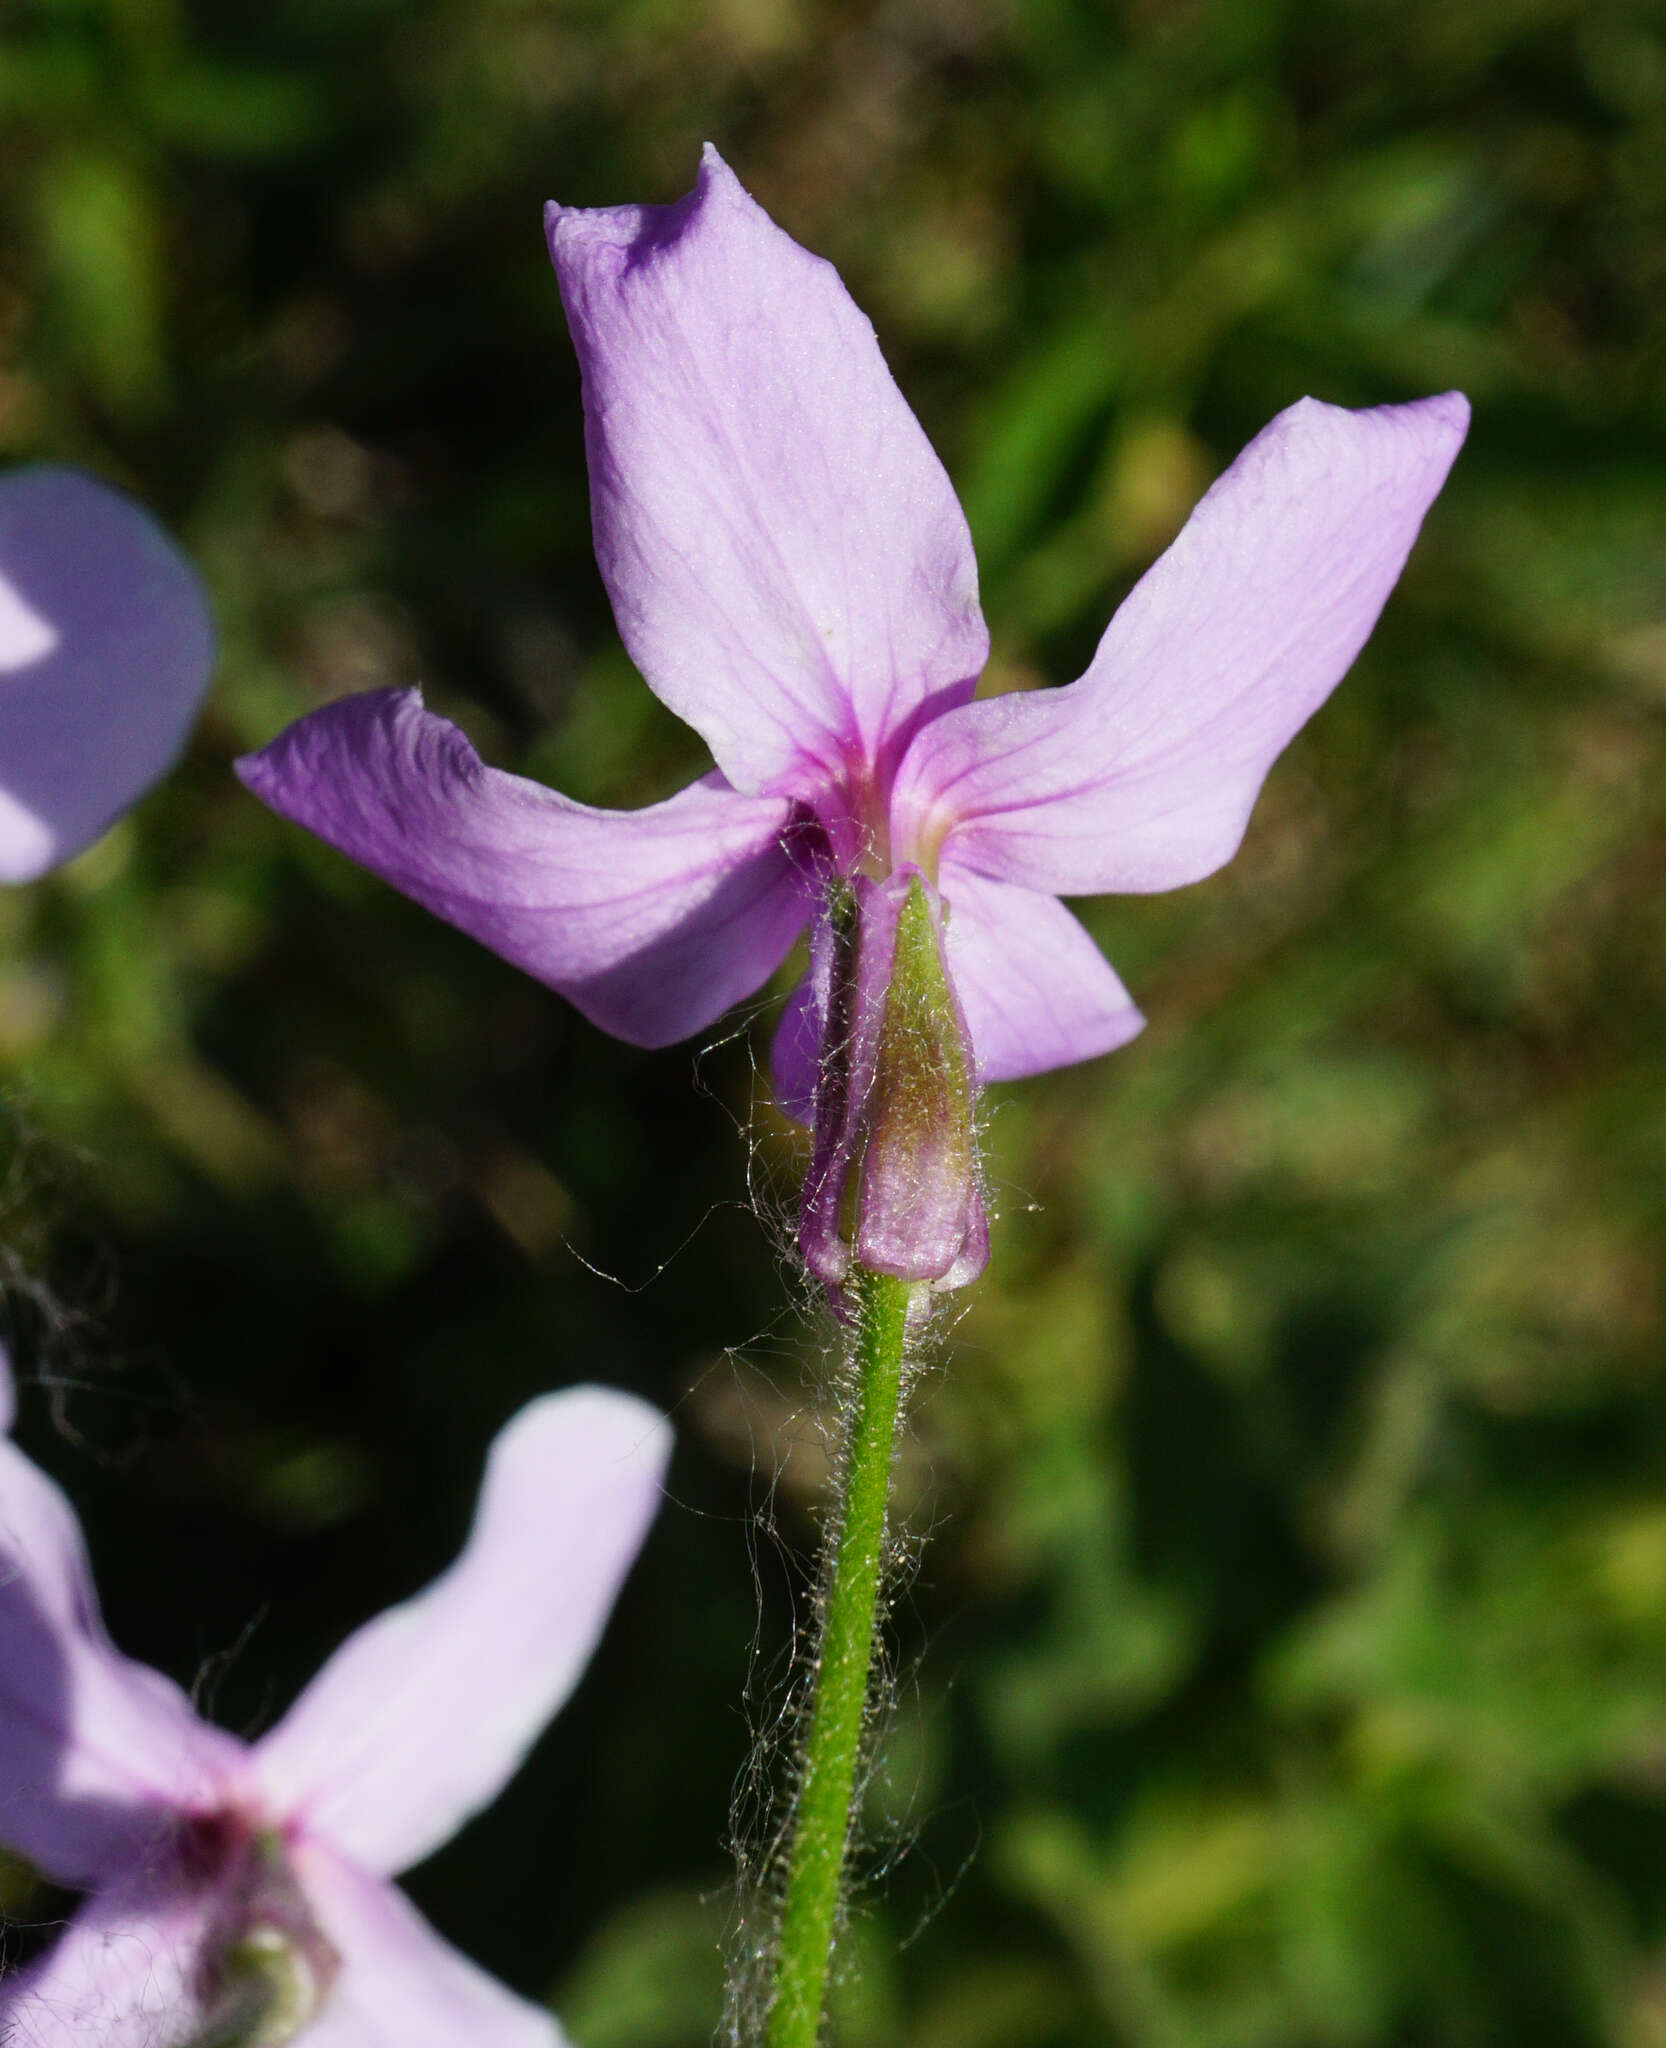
(239,1892)
(105,651)
(792,574)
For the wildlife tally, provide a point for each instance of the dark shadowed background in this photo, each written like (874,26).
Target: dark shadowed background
(1287,1666)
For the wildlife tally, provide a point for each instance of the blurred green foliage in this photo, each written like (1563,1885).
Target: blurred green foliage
(1287,1665)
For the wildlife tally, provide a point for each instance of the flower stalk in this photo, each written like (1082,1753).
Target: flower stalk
(826,1790)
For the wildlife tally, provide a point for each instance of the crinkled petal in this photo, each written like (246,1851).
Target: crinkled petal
(105,651)
(1142,774)
(1037,991)
(787,561)
(97,1753)
(420,1718)
(399,1985)
(651,922)
(120,1975)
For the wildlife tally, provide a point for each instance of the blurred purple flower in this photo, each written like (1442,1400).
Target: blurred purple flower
(240,1892)
(792,574)
(105,651)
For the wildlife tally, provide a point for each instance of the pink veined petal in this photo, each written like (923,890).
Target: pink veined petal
(1141,775)
(422,1717)
(399,1984)
(1037,991)
(787,561)
(97,1753)
(105,651)
(651,922)
(120,1975)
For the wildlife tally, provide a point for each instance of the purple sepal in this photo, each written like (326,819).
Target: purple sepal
(893,1181)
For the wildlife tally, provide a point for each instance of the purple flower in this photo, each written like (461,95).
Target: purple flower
(105,651)
(791,573)
(239,1892)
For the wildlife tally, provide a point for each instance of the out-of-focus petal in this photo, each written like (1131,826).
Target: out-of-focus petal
(1037,991)
(105,650)
(1142,774)
(120,1975)
(97,1753)
(420,1718)
(399,1984)
(651,922)
(787,561)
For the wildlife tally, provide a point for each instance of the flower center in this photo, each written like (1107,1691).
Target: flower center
(855,813)
(266,1966)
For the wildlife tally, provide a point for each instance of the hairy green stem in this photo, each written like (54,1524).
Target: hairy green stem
(850,1593)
